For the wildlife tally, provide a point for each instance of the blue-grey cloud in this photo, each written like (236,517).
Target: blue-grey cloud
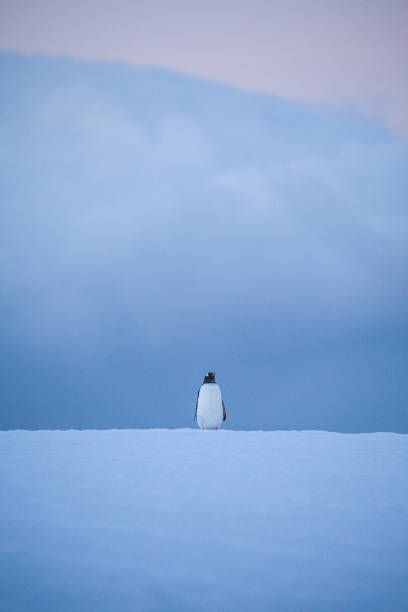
(153,223)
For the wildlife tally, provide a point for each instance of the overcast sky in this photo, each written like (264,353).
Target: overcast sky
(155,226)
(339,51)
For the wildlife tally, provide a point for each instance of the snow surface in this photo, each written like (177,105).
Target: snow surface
(202,520)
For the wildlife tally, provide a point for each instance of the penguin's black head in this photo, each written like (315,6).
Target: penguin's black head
(210,377)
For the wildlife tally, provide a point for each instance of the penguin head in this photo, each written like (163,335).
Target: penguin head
(210,377)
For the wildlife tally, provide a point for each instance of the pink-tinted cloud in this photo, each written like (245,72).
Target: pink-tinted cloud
(347,51)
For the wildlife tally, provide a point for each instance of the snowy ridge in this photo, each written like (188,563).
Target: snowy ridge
(190,520)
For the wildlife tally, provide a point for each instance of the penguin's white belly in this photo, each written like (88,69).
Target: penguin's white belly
(209,407)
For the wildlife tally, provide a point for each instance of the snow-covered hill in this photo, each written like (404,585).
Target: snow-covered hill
(190,520)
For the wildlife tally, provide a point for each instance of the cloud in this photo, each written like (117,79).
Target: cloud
(141,210)
(200,216)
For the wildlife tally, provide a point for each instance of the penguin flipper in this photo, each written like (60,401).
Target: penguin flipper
(224,414)
(195,414)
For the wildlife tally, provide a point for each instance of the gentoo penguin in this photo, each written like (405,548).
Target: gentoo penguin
(210,409)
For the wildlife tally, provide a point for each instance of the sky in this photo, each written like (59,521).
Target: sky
(158,225)
(336,51)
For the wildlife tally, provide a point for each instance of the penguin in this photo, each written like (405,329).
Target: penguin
(210,409)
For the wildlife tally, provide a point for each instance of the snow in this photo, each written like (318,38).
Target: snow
(201,520)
